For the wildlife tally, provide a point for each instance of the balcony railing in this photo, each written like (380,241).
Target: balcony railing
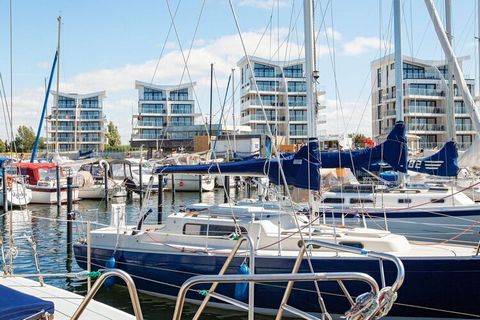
(425,127)
(260,117)
(464,127)
(298,118)
(150,124)
(422,109)
(460,110)
(298,132)
(425,92)
(144,136)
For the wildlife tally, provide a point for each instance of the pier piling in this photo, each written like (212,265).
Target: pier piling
(140,180)
(105,182)
(200,188)
(57,176)
(226,188)
(173,188)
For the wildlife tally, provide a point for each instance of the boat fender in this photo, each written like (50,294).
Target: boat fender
(241,287)
(110,264)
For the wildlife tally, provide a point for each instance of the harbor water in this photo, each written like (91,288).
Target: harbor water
(46,226)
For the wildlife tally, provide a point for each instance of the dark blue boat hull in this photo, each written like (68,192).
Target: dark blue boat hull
(451,283)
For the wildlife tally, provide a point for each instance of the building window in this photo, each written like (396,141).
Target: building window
(297,86)
(293,71)
(152,108)
(411,71)
(64,102)
(267,85)
(182,108)
(181,121)
(153,95)
(297,101)
(262,70)
(90,103)
(298,129)
(179,95)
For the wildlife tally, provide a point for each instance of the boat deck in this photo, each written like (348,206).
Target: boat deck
(65,302)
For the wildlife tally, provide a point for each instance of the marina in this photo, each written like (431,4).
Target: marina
(262,208)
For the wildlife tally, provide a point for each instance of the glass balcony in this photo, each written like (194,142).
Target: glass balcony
(423,109)
(298,118)
(298,132)
(464,127)
(425,92)
(425,127)
(145,123)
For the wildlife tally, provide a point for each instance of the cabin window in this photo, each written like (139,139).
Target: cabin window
(404,200)
(196,229)
(438,200)
(333,200)
(356,200)
(352,244)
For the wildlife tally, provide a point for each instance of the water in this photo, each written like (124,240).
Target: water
(48,230)
(47,226)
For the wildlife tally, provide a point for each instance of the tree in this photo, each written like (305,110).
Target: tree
(113,137)
(25,138)
(3,147)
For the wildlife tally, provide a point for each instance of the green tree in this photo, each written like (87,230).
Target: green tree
(24,139)
(113,136)
(3,147)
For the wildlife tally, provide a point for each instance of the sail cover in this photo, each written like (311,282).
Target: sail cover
(392,151)
(444,163)
(301,169)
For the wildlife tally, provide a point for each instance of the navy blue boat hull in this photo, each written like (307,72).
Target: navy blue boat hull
(433,284)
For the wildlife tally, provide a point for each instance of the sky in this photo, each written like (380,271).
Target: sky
(108,44)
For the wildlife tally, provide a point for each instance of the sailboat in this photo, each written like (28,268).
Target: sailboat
(439,278)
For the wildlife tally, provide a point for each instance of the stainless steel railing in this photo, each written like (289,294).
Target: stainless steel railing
(132,290)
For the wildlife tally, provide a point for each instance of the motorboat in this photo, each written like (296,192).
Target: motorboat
(41,179)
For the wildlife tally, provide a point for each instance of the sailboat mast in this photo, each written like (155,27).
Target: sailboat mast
(310,77)
(233,114)
(397,19)
(58,82)
(450,91)
(211,105)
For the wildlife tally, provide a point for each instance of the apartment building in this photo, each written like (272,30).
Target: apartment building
(79,124)
(425,91)
(282,89)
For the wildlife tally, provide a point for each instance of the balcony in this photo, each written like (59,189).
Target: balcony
(298,118)
(464,127)
(147,136)
(389,113)
(144,123)
(425,127)
(62,128)
(425,92)
(261,117)
(422,109)
(460,110)
(430,145)
(297,133)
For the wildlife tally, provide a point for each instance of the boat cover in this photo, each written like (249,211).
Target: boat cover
(301,169)
(393,151)
(444,163)
(15,305)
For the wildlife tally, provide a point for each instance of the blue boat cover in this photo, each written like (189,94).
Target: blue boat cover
(15,305)
(302,169)
(393,151)
(444,163)
(3,160)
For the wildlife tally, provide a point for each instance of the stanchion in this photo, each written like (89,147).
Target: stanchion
(140,180)
(160,199)
(105,183)
(70,214)
(173,188)
(4,189)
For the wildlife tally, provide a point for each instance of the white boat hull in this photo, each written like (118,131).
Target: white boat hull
(17,196)
(47,195)
(187,182)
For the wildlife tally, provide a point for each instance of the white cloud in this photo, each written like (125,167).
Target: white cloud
(352,120)
(361,45)
(261,4)
(119,82)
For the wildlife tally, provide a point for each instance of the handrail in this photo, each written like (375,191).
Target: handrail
(281,277)
(373,254)
(132,290)
(226,264)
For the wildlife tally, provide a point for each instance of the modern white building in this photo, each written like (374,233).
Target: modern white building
(425,91)
(165,116)
(282,89)
(80,124)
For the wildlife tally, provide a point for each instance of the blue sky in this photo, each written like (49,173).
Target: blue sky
(107,45)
